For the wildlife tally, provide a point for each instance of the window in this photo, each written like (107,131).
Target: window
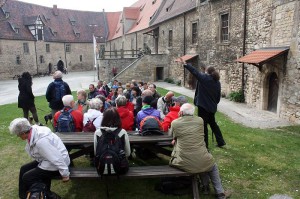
(18,60)
(7,14)
(170,38)
(224,27)
(48,48)
(80,58)
(40,34)
(25,48)
(42,59)
(68,48)
(194,33)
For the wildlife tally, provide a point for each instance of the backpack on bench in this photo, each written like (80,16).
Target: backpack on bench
(150,125)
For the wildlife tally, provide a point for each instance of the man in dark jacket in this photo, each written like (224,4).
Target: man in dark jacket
(55,91)
(207,97)
(93,91)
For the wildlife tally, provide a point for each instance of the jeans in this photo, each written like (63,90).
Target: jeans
(214,176)
(209,118)
(30,173)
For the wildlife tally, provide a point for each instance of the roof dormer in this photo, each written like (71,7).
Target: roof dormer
(14,27)
(72,21)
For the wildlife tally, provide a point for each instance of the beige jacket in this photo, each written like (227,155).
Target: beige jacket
(190,153)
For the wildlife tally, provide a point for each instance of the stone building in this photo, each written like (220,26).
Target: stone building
(253,44)
(35,38)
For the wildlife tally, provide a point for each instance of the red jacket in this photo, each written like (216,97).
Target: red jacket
(172,115)
(130,106)
(127,118)
(77,117)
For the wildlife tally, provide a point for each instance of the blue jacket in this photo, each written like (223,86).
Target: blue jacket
(208,90)
(147,112)
(50,95)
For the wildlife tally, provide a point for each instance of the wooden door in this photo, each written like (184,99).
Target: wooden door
(273,92)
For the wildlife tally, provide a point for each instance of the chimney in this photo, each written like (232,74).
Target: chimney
(55,10)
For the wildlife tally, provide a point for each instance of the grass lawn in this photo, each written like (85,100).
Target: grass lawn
(256,164)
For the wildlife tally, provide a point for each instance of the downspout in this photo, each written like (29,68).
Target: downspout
(184,48)
(36,59)
(136,44)
(244,47)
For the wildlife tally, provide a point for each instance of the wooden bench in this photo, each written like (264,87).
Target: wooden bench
(140,172)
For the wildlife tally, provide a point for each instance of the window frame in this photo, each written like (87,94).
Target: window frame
(48,48)
(170,38)
(41,59)
(68,48)
(194,34)
(224,37)
(80,58)
(26,48)
(18,60)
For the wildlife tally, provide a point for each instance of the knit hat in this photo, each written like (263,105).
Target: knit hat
(148,99)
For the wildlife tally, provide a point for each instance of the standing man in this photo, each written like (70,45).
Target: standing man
(207,97)
(55,91)
(114,71)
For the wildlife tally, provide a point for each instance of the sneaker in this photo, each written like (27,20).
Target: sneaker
(222,146)
(224,195)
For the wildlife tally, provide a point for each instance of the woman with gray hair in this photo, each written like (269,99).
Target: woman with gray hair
(93,115)
(50,156)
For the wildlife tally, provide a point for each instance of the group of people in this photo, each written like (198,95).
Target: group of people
(113,107)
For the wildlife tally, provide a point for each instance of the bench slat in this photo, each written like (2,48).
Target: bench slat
(134,172)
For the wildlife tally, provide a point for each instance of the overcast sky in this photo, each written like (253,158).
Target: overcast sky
(90,5)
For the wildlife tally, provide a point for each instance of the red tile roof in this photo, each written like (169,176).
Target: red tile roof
(142,12)
(112,21)
(186,57)
(262,56)
(86,23)
(172,8)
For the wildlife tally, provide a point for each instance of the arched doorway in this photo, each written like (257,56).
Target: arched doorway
(60,66)
(49,69)
(273,92)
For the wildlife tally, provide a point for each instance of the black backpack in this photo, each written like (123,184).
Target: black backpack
(37,191)
(150,125)
(110,154)
(65,121)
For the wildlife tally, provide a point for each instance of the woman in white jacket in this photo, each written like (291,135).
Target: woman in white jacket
(50,156)
(94,114)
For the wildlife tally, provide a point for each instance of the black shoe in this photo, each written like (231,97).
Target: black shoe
(224,195)
(221,145)
(205,190)
(54,195)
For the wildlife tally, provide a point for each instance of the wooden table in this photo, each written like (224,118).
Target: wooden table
(86,141)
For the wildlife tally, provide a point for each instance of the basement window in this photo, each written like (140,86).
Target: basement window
(18,60)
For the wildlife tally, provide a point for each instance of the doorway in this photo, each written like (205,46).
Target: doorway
(273,92)
(159,73)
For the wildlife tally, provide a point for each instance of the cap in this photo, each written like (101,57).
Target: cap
(181,99)
(114,87)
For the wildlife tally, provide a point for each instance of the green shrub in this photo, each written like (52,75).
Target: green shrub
(169,80)
(237,96)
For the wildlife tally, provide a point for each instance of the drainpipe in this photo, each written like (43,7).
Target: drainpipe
(66,55)
(136,44)
(184,48)
(36,59)
(244,46)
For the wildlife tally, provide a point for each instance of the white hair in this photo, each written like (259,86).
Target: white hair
(19,126)
(187,109)
(67,99)
(95,103)
(57,74)
(121,101)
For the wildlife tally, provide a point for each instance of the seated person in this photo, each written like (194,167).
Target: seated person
(129,105)
(81,103)
(112,95)
(50,156)
(174,110)
(126,116)
(106,105)
(190,153)
(156,95)
(77,116)
(93,91)
(94,114)
(164,103)
(147,110)
(139,101)
(111,121)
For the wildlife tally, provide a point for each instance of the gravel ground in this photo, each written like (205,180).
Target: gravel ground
(238,112)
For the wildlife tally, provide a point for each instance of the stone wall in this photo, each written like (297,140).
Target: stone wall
(31,61)
(274,23)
